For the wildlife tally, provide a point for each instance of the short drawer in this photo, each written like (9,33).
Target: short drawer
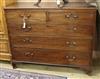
(52,43)
(52,30)
(24,16)
(22,54)
(71,17)
(50,56)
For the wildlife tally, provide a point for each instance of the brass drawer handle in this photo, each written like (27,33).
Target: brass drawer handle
(27,40)
(26,29)
(71,44)
(74,28)
(25,15)
(29,27)
(75,16)
(30,41)
(71,15)
(71,58)
(68,15)
(24,24)
(29,54)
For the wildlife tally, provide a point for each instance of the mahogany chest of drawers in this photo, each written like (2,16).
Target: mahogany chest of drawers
(52,36)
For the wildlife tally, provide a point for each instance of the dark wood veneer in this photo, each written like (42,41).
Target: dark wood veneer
(51,35)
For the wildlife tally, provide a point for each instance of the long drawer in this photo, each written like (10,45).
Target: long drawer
(68,43)
(50,56)
(51,30)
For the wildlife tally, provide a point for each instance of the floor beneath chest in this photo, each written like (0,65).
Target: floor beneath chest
(71,73)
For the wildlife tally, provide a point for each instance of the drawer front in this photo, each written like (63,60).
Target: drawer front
(50,56)
(52,43)
(71,17)
(24,54)
(52,30)
(25,16)
(42,17)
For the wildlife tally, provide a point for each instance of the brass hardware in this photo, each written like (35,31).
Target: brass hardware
(24,22)
(74,57)
(25,15)
(67,42)
(71,44)
(27,40)
(28,15)
(71,58)
(74,28)
(24,40)
(67,57)
(25,18)
(29,54)
(29,27)
(70,15)
(32,54)
(75,16)
(30,41)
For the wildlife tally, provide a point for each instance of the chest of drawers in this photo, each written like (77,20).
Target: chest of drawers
(52,36)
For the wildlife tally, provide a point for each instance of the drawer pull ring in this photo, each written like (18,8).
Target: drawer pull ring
(24,22)
(25,27)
